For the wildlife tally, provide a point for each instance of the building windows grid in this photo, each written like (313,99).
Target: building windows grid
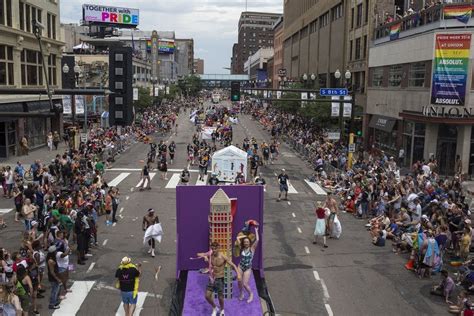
(395,76)
(31,68)
(337,12)
(416,75)
(28,13)
(324,20)
(6,65)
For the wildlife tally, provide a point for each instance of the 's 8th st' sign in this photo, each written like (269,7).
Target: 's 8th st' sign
(333,92)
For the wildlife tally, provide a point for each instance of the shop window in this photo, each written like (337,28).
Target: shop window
(6,65)
(416,75)
(395,76)
(377,77)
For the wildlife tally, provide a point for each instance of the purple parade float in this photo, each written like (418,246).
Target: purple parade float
(194,234)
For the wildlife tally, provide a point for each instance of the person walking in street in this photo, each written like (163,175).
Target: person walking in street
(128,278)
(49,141)
(320,227)
(115,203)
(185,176)
(163,167)
(283,181)
(56,140)
(109,198)
(148,220)
(172,150)
(145,175)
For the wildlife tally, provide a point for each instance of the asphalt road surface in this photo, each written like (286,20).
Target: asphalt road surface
(351,277)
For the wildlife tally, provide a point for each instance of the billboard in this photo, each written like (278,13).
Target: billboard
(450,69)
(166,46)
(127,17)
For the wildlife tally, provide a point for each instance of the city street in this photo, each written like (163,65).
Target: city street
(351,277)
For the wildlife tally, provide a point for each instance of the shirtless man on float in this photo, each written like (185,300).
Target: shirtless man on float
(217,262)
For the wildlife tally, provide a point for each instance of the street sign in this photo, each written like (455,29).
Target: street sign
(282,72)
(333,91)
(352,148)
(334,135)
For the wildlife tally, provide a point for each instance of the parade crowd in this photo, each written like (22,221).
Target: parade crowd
(60,204)
(425,216)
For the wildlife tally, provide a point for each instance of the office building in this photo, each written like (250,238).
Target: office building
(184,57)
(21,67)
(199,66)
(255,32)
(277,64)
(416,101)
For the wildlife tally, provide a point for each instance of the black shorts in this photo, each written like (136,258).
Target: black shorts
(217,286)
(108,212)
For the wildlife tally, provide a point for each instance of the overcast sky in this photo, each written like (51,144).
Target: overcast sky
(211,23)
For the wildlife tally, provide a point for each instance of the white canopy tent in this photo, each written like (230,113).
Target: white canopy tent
(227,162)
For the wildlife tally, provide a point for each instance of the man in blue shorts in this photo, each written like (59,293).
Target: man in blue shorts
(128,275)
(283,181)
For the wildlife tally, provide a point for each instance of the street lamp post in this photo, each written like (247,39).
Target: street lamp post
(154,80)
(77,71)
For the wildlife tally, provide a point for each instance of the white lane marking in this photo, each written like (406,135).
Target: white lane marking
(299,230)
(174,181)
(73,301)
(293,214)
(152,175)
(329,310)
(115,182)
(91,266)
(325,289)
(141,300)
(105,242)
(5,210)
(203,182)
(306,249)
(316,188)
(121,210)
(316,275)
(291,188)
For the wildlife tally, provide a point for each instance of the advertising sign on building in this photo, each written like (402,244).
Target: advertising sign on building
(110,15)
(450,69)
(166,46)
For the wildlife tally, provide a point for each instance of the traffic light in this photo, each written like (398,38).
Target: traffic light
(120,82)
(359,133)
(235,91)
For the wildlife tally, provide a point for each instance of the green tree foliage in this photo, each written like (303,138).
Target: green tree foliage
(190,85)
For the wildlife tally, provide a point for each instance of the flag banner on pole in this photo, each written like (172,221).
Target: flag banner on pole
(461,13)
(395,31)
(335,107)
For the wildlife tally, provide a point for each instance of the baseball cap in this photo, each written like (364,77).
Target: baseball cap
(150,210)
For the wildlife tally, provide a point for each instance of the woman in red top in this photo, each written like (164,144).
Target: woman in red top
(320,227)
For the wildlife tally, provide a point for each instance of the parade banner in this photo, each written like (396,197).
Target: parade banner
(461,13)
(450,69)
(395,31)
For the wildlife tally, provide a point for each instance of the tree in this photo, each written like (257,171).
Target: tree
(190,85)
(144,99)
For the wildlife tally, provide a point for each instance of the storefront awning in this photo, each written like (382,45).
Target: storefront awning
(382,123)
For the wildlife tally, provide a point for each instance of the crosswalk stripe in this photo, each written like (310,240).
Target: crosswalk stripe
(174,181)
(5,210)
(291,189)
(118,179)
(74,300)
(203,182)
(316,188)
(138,309)
(152,174)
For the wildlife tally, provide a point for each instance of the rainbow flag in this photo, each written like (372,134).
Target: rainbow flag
(395,31)
(460,12)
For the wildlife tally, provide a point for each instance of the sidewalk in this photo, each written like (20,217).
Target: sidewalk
(43,154)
